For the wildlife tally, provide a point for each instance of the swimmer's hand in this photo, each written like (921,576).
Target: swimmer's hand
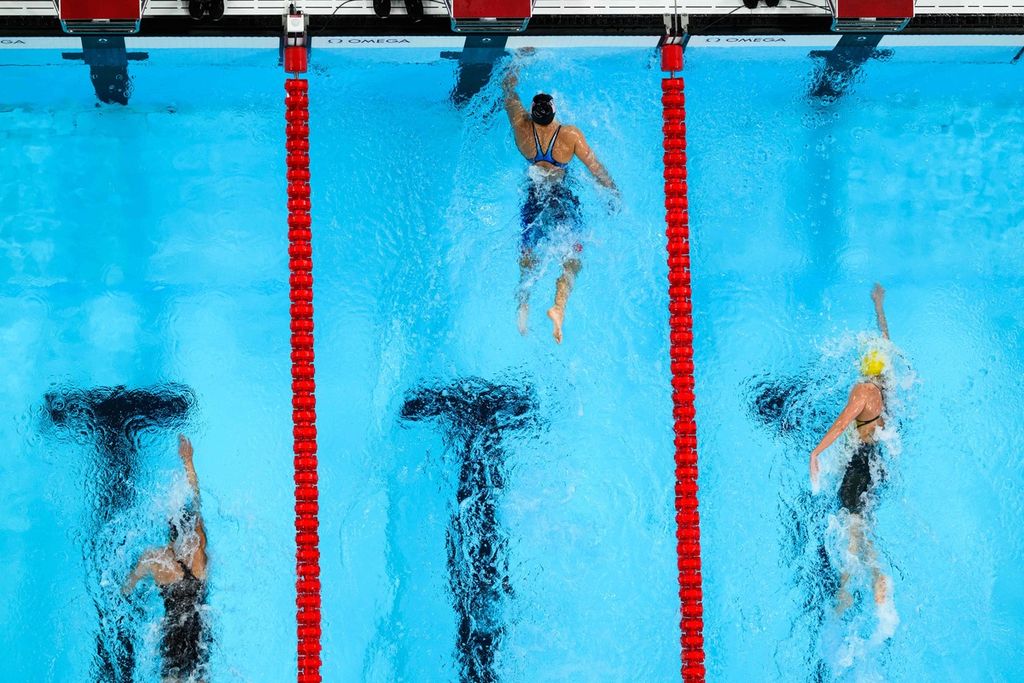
(614,202)
(511,78)
(878,294)
(815,471)
(185,449)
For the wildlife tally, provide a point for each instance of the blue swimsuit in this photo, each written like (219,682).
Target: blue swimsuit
(548,204)
(546,156)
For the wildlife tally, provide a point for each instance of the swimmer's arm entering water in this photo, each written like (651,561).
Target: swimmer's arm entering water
(855,404)
(185,452)
(199,559)
(513,105)
(878,296)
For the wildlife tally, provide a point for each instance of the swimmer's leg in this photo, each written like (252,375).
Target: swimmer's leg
(879,581)
(844,599)
(531,232)
(527,268)
(859,540)
(563,288)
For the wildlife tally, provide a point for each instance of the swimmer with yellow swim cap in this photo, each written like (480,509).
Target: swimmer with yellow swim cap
(872,363)
(865,408)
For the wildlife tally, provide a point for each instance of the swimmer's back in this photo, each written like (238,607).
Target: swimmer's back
(565,144)
(870,415)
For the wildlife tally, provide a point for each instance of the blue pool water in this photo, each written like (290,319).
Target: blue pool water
(911,179)
(419,222)
(145,247)
(139,248)
(167,264)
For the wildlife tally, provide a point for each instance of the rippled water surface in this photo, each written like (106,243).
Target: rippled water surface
(907,172)
(143,294)
(458,439)
(496,506)
(492,505)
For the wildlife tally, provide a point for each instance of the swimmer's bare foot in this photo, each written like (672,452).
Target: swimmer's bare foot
(881,588)
(523,318)
(557,316)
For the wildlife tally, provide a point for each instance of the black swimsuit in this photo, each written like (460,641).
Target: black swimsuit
(857,482)
(861,423)
(184,634)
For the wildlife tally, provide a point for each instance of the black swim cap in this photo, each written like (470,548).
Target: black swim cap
(543,111)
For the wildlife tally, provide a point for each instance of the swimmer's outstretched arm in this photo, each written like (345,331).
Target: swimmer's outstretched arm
(878,296)
(186,452)
(513,105)
(585,154)
(855,404)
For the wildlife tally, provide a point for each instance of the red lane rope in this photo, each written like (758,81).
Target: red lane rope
(300,264)
(677,231)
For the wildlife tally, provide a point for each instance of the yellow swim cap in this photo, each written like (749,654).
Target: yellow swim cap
(872,363)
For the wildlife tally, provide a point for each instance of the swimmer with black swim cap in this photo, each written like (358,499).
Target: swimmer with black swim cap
(865,409)
(543,110)
(549,147)
(179,571)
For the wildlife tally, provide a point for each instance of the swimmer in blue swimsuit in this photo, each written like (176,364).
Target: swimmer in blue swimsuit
(550,202)
(865,409)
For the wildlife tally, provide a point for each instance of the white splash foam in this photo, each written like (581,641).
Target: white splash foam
(888,620)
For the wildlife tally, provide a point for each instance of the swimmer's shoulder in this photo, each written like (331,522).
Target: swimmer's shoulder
(573,137)
(570,132)
(157,555)
(159,563)
(866,391)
